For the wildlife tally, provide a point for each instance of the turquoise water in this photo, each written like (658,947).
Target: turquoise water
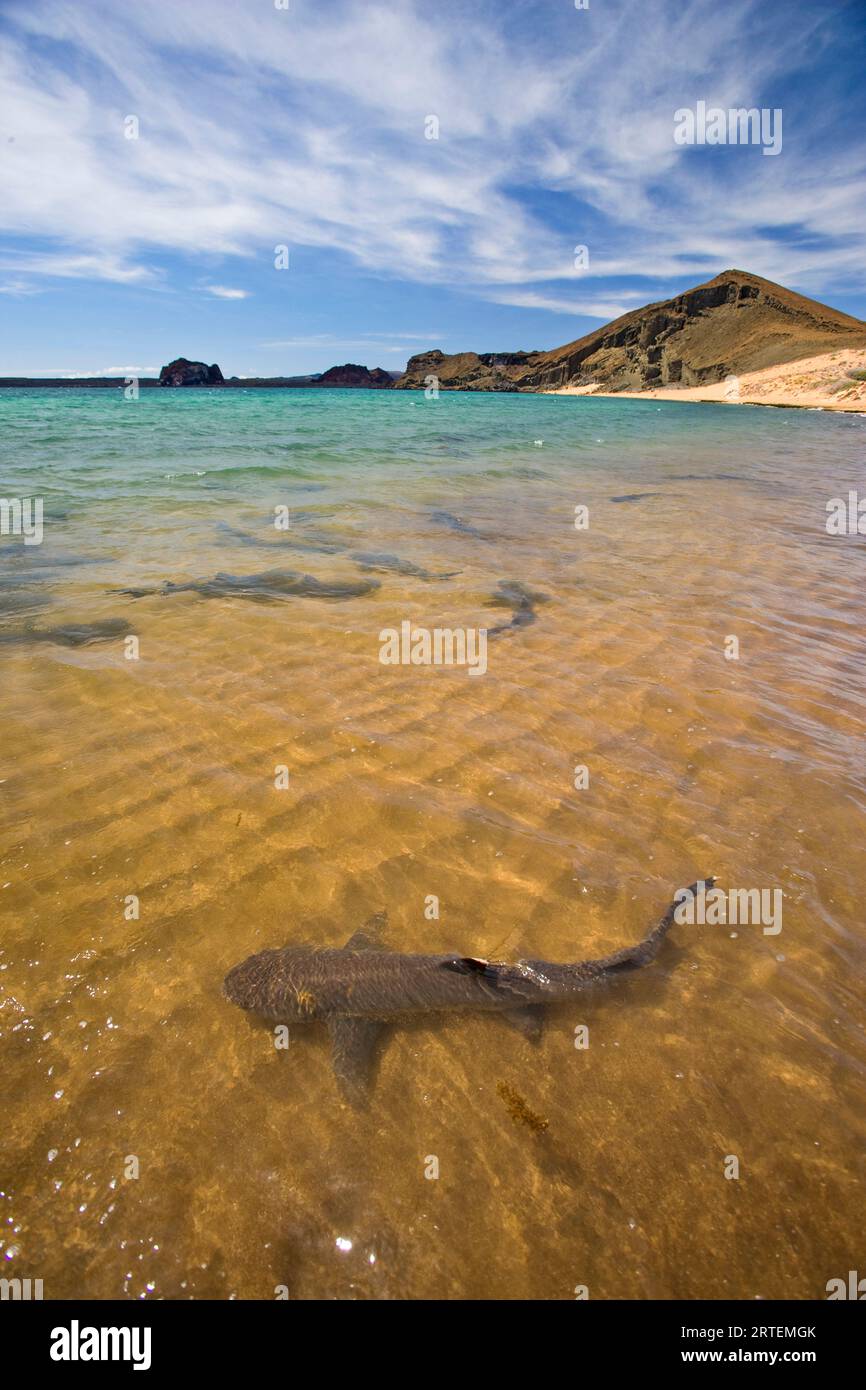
(142,484)
(89,447)
(153,775)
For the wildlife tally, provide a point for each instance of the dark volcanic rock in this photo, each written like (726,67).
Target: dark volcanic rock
(182,372)
(351,374)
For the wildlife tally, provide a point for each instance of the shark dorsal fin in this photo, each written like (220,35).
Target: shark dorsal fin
(368,937)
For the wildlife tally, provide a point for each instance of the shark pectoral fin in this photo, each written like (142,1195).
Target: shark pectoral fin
(368,937)
(529,1022)
(353,1053)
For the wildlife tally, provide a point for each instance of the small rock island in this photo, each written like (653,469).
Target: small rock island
(182,372)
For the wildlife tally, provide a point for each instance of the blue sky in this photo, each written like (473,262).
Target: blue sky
(261,127)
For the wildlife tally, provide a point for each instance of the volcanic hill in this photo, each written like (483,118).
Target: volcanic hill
(735,323)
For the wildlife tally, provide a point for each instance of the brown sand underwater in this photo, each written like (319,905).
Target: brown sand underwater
(155,778)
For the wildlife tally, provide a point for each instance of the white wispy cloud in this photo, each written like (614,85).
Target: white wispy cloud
(334,340)
(590,308)
(74,374)
(69,265)
(306,127)
(18,287)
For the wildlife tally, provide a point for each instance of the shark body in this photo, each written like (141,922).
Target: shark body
(269,587)
(510,593)
(392,564)
(358,989)
(70,634)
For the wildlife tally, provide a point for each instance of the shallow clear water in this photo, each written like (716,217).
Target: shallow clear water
(155,777)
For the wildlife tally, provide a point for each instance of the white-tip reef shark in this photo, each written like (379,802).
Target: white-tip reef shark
(360,988)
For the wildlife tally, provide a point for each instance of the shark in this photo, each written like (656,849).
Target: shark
(392,564)
(510,593)
(366,560)
(70,634)
(319,545)
(360,989)
(268,587)
(454,523)
(634,496)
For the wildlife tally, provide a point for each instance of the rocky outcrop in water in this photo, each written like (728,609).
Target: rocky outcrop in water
(182,372)
(351,374)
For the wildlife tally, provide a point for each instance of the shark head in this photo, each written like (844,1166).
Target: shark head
(271,984)
(237,985)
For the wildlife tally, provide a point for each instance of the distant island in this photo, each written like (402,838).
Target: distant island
(736,325)
(183,372)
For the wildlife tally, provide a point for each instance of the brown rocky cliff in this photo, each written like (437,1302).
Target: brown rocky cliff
(735,323)
(462,371)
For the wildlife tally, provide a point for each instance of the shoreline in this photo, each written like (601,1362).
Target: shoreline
(824,382)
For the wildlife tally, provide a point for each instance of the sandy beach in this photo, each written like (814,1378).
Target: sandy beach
(825,382)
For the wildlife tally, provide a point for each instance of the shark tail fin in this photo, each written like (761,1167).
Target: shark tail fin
(633,957)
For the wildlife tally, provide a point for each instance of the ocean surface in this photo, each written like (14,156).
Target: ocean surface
(155,1143)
